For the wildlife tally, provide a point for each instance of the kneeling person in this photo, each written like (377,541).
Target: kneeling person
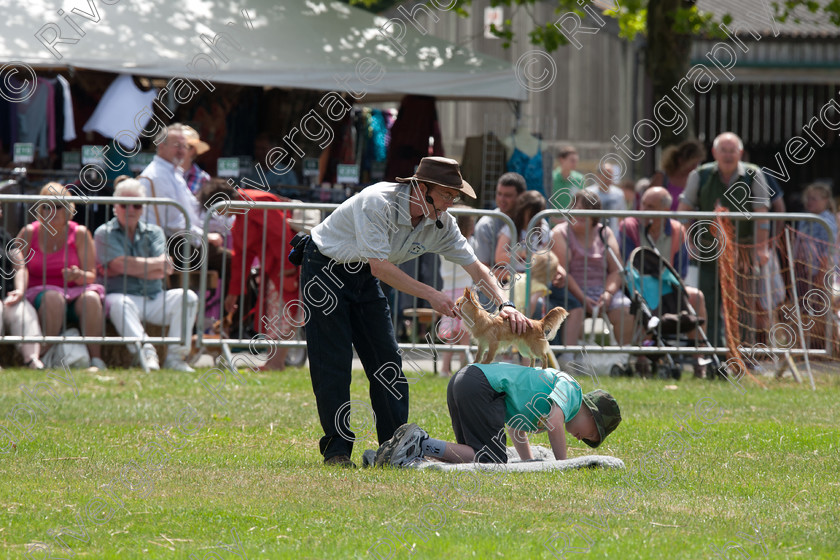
(134,256)
(482,398)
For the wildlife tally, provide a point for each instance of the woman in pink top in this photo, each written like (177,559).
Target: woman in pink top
(593,276)
(61,270)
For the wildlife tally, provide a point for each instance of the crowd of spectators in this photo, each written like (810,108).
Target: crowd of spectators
(592,253)
(74,277)
(62,276)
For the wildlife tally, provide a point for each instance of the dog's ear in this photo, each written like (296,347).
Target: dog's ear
(467,293)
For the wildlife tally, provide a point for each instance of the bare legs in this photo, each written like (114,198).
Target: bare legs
(88,307)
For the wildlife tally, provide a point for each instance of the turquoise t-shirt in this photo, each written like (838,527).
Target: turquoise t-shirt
(529,392)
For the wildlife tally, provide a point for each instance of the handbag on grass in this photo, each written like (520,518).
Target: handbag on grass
(73,355)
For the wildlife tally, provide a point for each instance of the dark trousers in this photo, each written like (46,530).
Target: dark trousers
(346,309)
(478,415)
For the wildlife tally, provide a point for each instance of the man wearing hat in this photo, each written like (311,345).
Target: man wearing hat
(195,176)
(164,178)
(360,244)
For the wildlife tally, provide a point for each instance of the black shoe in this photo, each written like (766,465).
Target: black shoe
(340,461)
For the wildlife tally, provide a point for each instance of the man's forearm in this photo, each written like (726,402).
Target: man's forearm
(139,267)
(485,281)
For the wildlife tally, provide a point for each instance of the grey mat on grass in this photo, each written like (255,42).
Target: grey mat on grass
(543,461)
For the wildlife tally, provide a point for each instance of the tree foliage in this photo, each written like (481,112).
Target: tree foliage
(632,16)
(667,26)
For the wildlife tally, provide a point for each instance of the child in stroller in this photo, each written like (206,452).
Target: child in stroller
(663,313)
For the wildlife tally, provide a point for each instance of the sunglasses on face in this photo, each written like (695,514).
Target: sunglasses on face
(135,206)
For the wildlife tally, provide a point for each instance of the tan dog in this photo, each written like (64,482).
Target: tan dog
(493,332)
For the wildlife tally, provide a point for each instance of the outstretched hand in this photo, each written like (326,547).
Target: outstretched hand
(443,304)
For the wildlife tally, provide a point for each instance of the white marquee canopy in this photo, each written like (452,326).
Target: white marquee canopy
(325,46)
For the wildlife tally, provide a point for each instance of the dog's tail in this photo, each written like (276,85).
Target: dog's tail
(552,321)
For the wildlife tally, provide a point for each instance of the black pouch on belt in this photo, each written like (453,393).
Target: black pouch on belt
(298,243)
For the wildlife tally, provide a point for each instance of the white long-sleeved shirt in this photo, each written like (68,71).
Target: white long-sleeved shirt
(169,183)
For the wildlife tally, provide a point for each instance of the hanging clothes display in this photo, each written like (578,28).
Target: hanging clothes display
(36,119)
(342,148)
(68,131)
(118,109)
(416,122)
(530,167)
(362,138)
(8,115)
(242,123)
(375,146)
(45,118)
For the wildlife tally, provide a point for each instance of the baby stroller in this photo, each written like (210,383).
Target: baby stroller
(663,312)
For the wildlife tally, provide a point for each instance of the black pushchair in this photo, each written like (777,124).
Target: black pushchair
(659,302)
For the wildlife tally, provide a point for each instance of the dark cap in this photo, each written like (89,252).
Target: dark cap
(605,412)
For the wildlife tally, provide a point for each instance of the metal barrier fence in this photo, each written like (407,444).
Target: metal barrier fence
(685,218)
(440,270)
(26,206)
(296,310)
(293,337)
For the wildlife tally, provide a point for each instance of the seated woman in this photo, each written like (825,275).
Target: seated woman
(594,277)
(133,254)
(61,270)
(18,315)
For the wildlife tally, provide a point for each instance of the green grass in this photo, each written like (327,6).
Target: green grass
(769,459)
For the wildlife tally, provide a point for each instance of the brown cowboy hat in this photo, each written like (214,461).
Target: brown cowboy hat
(193,139)
(440,171)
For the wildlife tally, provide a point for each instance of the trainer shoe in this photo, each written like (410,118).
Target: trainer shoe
(178,365)
(150,356)
(340,461)
(407,444)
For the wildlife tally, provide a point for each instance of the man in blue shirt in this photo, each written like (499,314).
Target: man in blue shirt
(133,254)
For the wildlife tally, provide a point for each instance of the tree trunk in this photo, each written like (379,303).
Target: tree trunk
(667,57)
